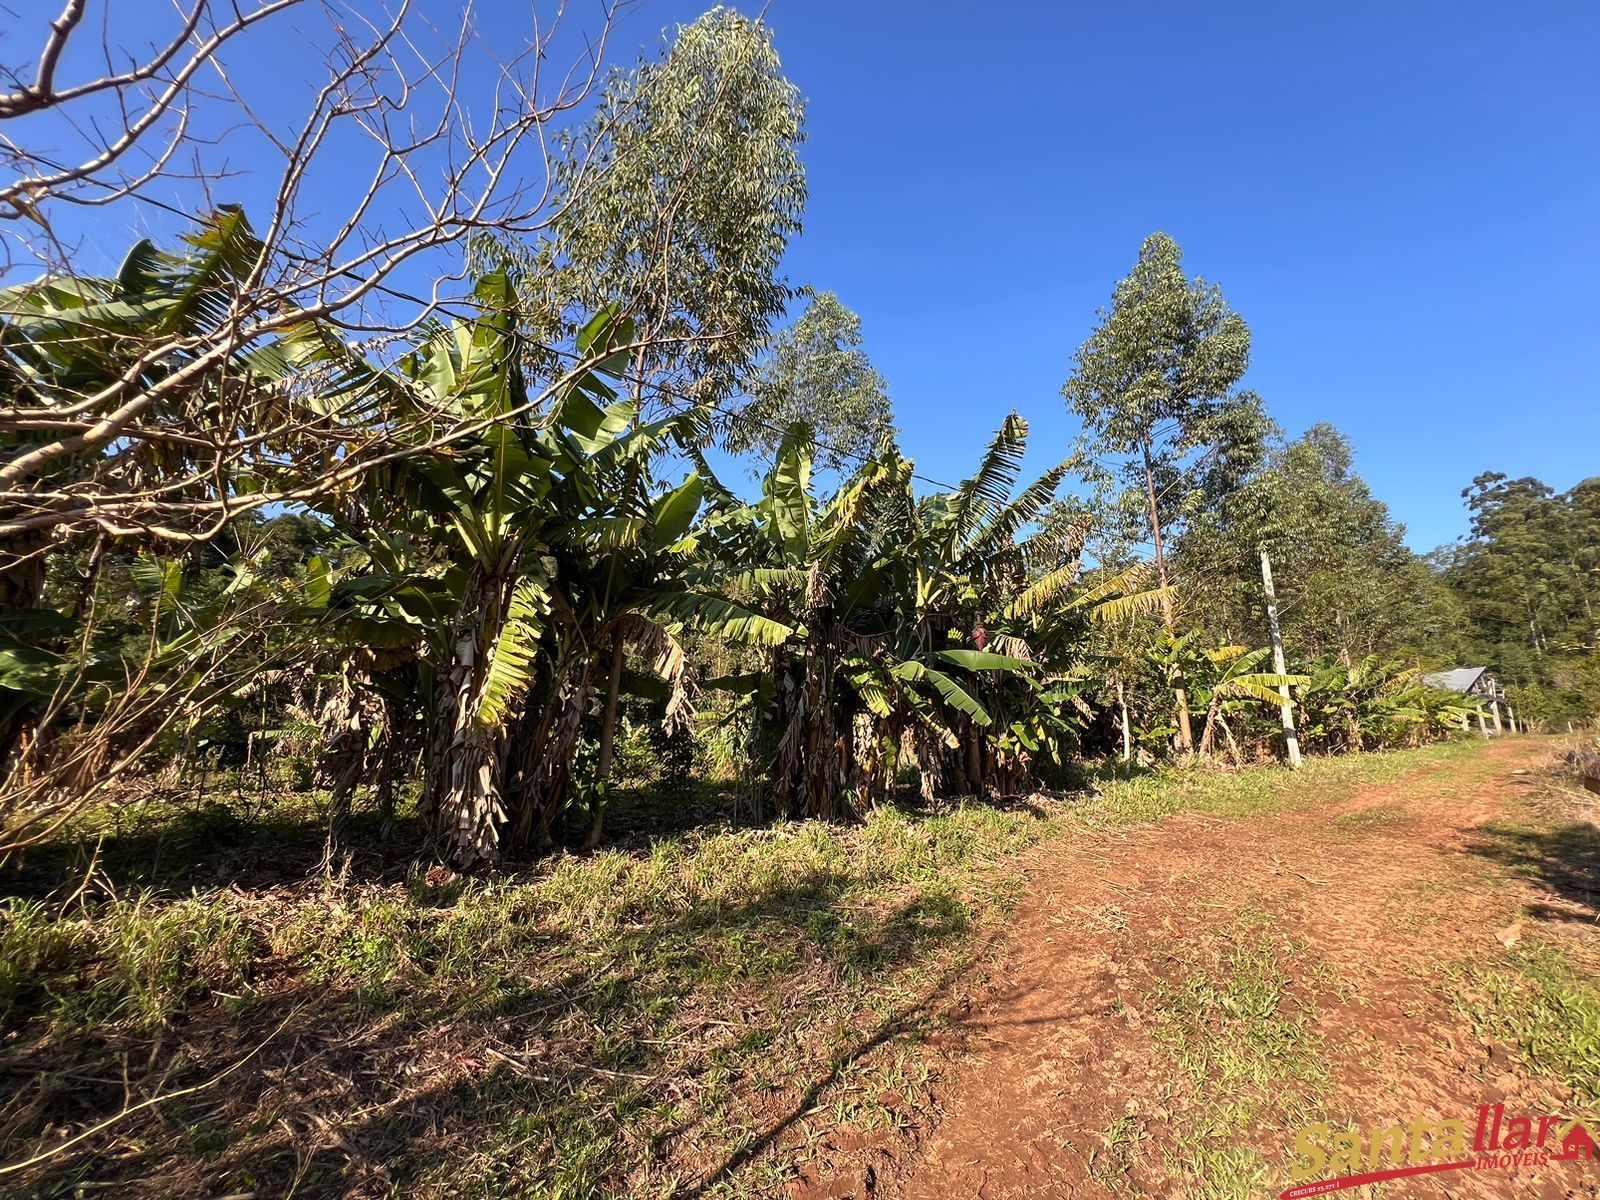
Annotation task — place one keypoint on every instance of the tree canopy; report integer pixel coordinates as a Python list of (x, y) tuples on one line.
[(818, 374)]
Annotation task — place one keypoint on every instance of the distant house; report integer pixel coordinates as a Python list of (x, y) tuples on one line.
[(1475, 681), (1472, 681)]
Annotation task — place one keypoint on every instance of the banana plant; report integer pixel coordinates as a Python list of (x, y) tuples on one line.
[(906, 628), (1234, 683), (809, 570), (525, 548), (1348, 706)]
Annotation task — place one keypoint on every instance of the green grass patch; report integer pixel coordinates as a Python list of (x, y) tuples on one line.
[(1245, 1045), (136, 962), (1259, 790), (1375, 817), (1541, 998), (1538, 1003)]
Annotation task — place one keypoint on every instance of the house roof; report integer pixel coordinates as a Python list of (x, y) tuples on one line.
[(1462, 679)]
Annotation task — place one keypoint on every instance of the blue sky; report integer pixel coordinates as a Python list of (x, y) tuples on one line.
[(1399, 198)]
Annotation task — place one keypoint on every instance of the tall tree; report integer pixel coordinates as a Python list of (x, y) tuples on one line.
[(1348, 584), (1528, 583), (817, 373), (1156, 382), (678, 198)]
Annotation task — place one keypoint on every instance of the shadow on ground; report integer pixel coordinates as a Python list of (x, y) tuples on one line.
[(523, 1073), (1562, 860)]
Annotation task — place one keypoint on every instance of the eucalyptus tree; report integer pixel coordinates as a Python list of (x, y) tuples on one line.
[(818, 373), (677, 199), (1522, 568), (1155, 382), (1525, 585), (1330, 557)]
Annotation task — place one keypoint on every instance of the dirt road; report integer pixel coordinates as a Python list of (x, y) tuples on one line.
[(1175, 1001)]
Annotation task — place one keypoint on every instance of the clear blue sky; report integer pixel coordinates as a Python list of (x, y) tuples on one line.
[(1401, 199)]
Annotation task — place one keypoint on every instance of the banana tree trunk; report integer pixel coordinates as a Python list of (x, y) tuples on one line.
[(461, 800), (608, 735), (546, 743), (1233, 742), (974, 759), (807, 771), (1208, 734)]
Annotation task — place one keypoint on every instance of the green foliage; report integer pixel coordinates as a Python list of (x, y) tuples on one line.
[(947, 624), (1527, 583), (816, 374), (1156, 381), (1548, 1009), (1377, 702), (140, 963), (677, 199), (1347, 584), (534, 552)]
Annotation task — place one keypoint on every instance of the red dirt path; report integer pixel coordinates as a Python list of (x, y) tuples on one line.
[(1366, 911)]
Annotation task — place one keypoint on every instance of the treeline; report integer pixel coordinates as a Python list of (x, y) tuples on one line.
[(479, 562), (1525, 590)]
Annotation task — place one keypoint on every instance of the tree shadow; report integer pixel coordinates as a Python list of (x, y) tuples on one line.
[(913, 1021), (175, 844), (174, 847), (1563, 859), (538, 1051)]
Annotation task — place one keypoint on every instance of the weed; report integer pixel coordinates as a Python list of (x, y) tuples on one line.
[(1246, 1047), (1538, 1003), (1110, 1162)]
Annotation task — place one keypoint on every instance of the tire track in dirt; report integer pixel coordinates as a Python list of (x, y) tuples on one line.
[(1375, 892)]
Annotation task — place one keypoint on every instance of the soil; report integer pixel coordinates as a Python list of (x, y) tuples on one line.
[(1067, 1084)]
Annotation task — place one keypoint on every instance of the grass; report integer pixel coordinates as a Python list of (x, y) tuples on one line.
[(639, 1022), (1539, 1003), (1230, 1024), (1110, 1162), (682, 1015), (1256, 791), (1541, 996), (138, 962)]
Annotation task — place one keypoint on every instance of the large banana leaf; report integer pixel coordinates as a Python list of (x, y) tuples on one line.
[(716, 617), (953, 694), (787, 503), (988, 491), (510, 671), (981, 660)]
